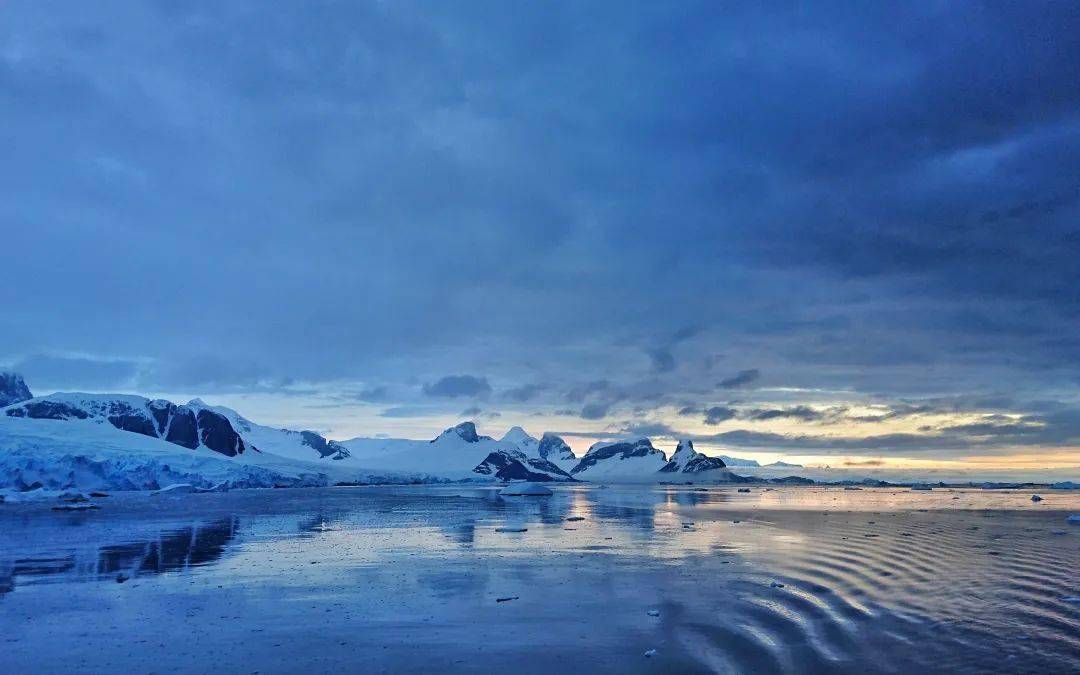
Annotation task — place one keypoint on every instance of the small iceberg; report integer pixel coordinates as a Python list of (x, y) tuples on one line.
[(1073, 520), (78, 506), (176, 489), (526, 490)]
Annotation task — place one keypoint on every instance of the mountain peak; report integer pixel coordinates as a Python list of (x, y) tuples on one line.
[(466, 431), (517, 435), (13, 389)]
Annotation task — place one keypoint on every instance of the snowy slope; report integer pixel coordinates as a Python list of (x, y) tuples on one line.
[(87, 454), (549, 448), (458, 452), (303, 445), (635, 460), (188, 426)]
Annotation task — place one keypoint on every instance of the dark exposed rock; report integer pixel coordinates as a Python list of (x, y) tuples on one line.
[(216, 433), (554, 447), (48, 410), (13, 389), (509, 465), (466, 431), (324, 447), (182, 428), (687, 460), (178, 424)]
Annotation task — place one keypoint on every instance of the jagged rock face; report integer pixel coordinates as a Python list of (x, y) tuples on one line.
[(466, 431), (504, 465), (13, 389), (508, 464), (324, 447), (48, 410), (687, 460), (554, 447), (179, 424), (639, 448)]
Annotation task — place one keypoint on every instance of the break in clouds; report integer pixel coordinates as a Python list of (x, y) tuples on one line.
[(424, 215)]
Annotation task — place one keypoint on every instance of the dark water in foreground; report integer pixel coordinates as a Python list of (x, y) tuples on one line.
[(407, 579)]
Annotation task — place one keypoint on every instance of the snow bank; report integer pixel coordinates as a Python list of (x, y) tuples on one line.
[(62, 454)]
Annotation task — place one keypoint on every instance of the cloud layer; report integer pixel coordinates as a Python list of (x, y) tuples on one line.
[(597, 212)]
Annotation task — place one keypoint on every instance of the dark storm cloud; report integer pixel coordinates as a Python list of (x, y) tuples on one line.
[(524, 393), (718, 413), (663, 361), (875, 199), (372, 394), (453, 386), (48, 373), (595, 411), (799, 412), (740, 379)]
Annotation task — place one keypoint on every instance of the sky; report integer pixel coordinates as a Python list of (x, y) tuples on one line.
[(842, 233)]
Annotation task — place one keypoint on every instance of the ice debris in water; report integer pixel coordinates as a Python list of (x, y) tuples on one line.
[(175, 489), (526, 490), (83, 506), (653, 612), (1073, 520), (651, 653)]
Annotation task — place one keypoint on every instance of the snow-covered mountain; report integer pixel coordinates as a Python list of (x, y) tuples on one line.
[(13, 389), (162, 435), (192, 426), (627, 460), (687, 460), (736, 461), (303, 445), (461, 452)]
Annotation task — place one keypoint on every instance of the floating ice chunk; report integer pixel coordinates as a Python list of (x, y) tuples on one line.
[(176, 489), (651, 653), (1073, 520), (526, 490), (83, 506), (653, 612)]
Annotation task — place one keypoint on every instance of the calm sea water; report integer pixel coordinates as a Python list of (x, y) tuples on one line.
[(410, 580)]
